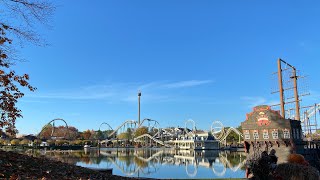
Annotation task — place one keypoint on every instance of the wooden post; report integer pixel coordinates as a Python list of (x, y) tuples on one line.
[(296, 95), (281, 88)]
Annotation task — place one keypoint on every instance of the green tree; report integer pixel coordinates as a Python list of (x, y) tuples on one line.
[(233, 136), (123, 136), (107, 133), (99, 135), (11, 28)]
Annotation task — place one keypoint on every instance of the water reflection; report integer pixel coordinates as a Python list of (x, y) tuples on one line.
[(154, 162)]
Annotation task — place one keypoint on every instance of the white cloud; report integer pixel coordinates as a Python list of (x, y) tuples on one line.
[(253, 101), (183, 84), (153, 91)]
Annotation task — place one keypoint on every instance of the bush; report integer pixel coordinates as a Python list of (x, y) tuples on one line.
[(50, 142), (24, 142), (4, 142), (15, 142), (37, 142), (88, 142), (61, 142), (77, 142)]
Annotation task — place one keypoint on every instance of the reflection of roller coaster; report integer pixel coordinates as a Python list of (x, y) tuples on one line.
[(132, 168), (218, 163)]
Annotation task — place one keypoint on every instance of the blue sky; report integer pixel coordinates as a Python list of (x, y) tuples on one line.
[(200, 60)]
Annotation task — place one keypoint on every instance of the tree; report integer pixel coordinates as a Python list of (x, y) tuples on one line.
[(123, 136), (86, 134), (108, 132), (140, 131), (30, 12), (234, 137), (60, 131)]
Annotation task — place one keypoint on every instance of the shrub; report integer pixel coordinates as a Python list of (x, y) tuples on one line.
[(24, 142), (77, 142), (37, 142), (61, 142), (15, 142)]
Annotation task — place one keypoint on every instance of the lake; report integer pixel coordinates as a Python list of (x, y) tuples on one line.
[(158, 162)]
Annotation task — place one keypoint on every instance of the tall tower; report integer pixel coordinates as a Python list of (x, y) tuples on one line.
[(139, 95)]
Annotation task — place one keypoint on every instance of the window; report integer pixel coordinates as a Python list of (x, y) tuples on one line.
[(275, 134), (294, 133), (265, 135), (298, 134), (246, 135), (255, 135), (286, 134)]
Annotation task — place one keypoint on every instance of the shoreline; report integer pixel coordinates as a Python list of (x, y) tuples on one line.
[(14, 165)]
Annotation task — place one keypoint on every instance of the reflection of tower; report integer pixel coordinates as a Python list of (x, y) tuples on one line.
[(139, 95)]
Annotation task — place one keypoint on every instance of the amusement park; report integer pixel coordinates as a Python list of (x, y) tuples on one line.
[(143, 148), (131, 90)]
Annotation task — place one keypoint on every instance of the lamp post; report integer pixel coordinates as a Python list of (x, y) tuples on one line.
[(139, 95)]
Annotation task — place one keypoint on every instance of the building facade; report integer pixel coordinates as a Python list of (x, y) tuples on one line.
[(266, 129)]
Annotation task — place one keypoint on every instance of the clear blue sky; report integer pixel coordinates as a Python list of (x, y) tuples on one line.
[(202, 60)]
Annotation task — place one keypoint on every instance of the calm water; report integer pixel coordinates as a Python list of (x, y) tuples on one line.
[(159, 163)]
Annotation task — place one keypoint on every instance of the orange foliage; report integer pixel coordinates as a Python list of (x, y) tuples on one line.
[(297, 158)]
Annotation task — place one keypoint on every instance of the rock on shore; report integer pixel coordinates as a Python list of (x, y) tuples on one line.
[(19, 166)]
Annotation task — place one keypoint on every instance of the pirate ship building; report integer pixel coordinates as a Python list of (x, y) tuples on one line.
[(266, 129)]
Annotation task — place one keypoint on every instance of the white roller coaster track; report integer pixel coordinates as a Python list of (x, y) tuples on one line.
[(218, 134), (150, 158), (311, 112), (229, 131), (124, 123), (152, 138)]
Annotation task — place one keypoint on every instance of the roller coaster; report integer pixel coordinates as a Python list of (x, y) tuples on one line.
[(309, 119), (217, 129), (51, 124), (155, 134)]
